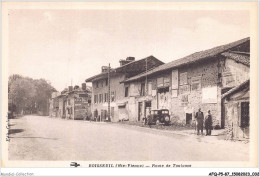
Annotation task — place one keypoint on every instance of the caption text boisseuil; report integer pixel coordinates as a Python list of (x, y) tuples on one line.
[(121, 165)]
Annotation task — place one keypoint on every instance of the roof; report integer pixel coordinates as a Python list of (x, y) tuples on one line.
[(133, 64), (193, 58), (236, 89), (240, 58)]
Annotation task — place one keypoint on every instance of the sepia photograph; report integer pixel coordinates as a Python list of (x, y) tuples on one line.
[(146, 84)]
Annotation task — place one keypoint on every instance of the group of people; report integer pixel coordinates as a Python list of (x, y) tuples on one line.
[(200, 120)]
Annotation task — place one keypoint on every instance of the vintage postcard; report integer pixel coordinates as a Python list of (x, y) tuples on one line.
[(129, 84)]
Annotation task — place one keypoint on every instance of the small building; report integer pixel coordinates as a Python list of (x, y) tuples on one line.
[(78, 103), (236, 111), (195, 81), (118, 92)]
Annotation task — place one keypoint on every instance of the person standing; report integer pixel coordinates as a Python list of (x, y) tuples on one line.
[(200, 118), (208, 123)]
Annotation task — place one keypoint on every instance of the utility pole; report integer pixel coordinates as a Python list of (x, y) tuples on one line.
[(146, 84), (108, 100), (146, 88)]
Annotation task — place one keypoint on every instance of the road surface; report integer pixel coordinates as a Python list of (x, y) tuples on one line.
[(44, 138)]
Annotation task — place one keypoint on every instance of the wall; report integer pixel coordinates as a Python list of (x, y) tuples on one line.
[(60, 113), (70, 98), (234, 73), (201, 79), (115, 86), (233, 115), (181, 97), (197, 85)]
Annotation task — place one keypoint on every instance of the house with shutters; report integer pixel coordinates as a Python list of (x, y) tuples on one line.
[(118, 93), (195, 81)]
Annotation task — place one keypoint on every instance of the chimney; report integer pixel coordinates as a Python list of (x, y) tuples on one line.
[(104, 69), (70, 88), (76, 87), (129, 59), (83, 86)]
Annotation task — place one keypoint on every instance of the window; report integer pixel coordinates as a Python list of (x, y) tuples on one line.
[(100, 98), (142, 93), (106, 97), (113, 96), (101, 83), (106, 82), (97, 84), (126, 91), (95, 99), (244, 118)]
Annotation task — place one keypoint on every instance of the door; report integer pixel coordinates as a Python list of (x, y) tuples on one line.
[(245, 122), (188, 118), (140, 108), (147, 108)]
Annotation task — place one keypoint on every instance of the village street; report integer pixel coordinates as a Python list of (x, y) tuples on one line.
[(44, 138)]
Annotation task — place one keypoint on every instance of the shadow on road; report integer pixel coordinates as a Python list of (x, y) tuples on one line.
[(13, 131), (37, 137)]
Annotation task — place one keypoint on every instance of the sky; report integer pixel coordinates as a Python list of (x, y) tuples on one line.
[(69, 46)]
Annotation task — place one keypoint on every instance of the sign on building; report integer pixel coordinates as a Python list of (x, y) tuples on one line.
[(183, 78), (174, 93), (183, 100), (209, 94), (166, 81), (184, 89), (228, 79), (159, 81), (196, 83), (175, 79)]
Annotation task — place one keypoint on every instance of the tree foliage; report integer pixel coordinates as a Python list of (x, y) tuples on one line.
[(25, 92)]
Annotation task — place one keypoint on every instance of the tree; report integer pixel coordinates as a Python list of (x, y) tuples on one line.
[(25, 93), (21, 93), (43, 93)]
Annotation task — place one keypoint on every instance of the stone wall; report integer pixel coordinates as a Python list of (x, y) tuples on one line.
[(206, 76)]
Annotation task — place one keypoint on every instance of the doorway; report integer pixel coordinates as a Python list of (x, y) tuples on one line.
[(140, 108), (147, 108), (188, 118)]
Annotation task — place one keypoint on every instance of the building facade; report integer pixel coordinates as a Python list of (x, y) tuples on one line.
[(236, 111), (72, 103), (195, 81), (117, 95)]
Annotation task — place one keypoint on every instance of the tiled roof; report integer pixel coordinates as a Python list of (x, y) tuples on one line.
[(237, 88), (241, 58), (118, 69), (195, 57)]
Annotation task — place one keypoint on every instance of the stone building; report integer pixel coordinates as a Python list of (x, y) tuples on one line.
[(189, 83), (236, 111), (118, 92), (72, 103)]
